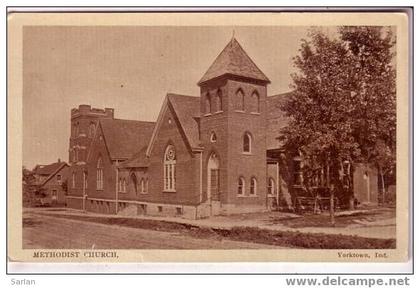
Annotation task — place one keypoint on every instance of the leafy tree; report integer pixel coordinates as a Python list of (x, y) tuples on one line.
[(335, 110), (373, 78)]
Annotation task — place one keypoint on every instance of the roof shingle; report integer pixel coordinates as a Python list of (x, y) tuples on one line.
[(186, 109), (125, 137), (48, 169), (234, 60)]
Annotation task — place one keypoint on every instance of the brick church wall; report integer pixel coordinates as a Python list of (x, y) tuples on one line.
[(187, 166)]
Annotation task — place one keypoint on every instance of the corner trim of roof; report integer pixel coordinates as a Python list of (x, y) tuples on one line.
[(157, 126), (95, 139), (55, 172)]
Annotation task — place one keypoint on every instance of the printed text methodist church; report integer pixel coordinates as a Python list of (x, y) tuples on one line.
[(208, 155)]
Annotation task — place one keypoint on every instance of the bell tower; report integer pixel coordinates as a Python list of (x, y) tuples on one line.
[(233, 95)]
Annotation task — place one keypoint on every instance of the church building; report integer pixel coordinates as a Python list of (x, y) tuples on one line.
[(212, 154)]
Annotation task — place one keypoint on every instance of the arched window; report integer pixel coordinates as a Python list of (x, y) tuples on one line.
[(142, 186), (73, 180), (247, 143), (253, 187), (255, 102), (75, 155), (99, 175), (76, 130), (134, 182), (124, 185), (219, 101), (169, 178), (91, 129), (120, 185), (240, 100), (271, 187), (85, 180), (213, 137), (207, 104), (241, 186)]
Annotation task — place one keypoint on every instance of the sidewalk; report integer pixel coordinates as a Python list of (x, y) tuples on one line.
[(376, 227)]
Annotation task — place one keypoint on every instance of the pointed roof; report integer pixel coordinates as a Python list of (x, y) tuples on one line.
[(48, 169), (187, 108), (233, 60), (125, 137)]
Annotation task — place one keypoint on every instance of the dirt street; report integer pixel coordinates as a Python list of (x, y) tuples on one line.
[(48, 232)]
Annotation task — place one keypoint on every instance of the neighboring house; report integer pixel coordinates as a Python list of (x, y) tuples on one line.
[(216, 153), (49, 179)]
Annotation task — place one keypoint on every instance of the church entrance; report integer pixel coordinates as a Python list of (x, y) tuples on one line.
[(212, 198)]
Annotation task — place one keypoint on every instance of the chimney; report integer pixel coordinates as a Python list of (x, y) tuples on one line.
[(59, 160)]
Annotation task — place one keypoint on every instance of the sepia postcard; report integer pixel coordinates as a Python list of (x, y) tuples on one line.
[(209, 137)]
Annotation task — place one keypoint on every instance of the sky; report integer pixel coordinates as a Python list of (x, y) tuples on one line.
[(130, 69)]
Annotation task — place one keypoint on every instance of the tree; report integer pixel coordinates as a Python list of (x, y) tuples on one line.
[(373, 85), (335, 110)]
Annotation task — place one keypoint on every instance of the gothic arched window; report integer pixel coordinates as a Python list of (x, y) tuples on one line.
[(99, 175), (142, 186), (169, 179), (134, 182), (255, 102), (219, 101), (85, 180), (73, 180), (247, 143), (240, 100), (241, 186), (91, 129), (207, 104), (271, 188), (253, 187)]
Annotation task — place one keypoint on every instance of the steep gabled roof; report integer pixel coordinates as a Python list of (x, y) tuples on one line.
[(124, 138), (48, 169), (233, 60), (276, 119), (187, 108), (51, 170)]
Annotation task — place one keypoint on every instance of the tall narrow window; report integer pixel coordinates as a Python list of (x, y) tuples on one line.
[(241, 186), (240, 100), (169, 179), (73, 180), (219, 101), (247, 142), (271, 186), (99, 175), (85, 180), (253, 187), (255, 102), (124, 185), (207, 104), (143, 186), (91, 129), (76, 129), (59, 179), (119, 185), (134, 183), (74, 155)]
